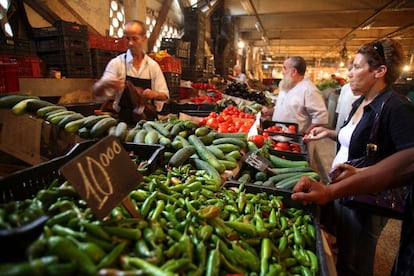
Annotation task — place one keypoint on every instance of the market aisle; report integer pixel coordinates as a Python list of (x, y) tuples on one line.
[(324, 152)]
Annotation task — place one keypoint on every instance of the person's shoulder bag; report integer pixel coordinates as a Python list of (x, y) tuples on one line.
[(388, 203)]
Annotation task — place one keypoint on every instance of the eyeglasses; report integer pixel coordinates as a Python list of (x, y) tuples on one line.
[(380, 50)]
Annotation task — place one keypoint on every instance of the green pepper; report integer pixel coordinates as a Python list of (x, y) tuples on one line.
[(104, 244), (297, 237), (66, 250), (62, 269), (147, 267), (112, 256), (126, 233), (264, 256), (62, 218), (208, 212), (65, 231), (213, 262), (158, 209), (147, 204), (242, 227), (205, 232), (34, 267), (313, 261)]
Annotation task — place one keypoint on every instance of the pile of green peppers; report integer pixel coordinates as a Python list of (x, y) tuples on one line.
[(187, 226)]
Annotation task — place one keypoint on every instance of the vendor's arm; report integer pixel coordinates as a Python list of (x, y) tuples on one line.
[(394, 170), (316, 108), (103, 84)]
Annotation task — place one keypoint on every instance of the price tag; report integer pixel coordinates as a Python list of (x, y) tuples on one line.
[(103, 175), (256, 161)]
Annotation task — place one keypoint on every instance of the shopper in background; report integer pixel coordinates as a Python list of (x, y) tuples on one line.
[(376, 66), (397, 169), (299, 100), (133, 79), (238, 76), (344, 103)]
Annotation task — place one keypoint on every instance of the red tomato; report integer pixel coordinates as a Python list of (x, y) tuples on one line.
[(202, 121), (292, 129), (283, 145), (259, 140), (212, 122)]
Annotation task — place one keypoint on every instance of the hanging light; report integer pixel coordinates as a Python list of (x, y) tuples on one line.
[(240, 44)]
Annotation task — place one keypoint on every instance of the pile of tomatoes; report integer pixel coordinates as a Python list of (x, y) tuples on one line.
[(291, 129), (212, 94), (228, 121), (286, 146)]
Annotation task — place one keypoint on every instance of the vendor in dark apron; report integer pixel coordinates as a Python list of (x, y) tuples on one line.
[(128, 103)]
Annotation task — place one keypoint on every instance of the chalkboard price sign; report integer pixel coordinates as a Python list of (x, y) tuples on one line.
[(103, 175), (256, 161)]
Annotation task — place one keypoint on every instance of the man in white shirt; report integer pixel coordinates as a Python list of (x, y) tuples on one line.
[(299, 100), (238, 76), (134, 79)]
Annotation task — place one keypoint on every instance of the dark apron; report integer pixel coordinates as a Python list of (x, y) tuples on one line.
[(126, 113)]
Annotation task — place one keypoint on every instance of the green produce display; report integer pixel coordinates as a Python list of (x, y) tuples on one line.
[(189, 226)]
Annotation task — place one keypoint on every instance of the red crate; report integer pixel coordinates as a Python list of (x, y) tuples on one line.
[(170, 64), (9, 81), (28, 66), (95, 41), (107, 43)]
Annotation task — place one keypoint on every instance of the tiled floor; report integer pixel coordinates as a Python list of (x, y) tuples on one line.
[(387, 246)]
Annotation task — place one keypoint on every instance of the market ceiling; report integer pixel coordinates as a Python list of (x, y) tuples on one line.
[(321, 29)]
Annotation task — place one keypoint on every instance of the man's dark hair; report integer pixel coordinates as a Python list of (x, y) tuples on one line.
[(299, 64)]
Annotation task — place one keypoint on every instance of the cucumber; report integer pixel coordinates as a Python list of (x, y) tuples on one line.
[(188, 124), (35, 104), (204, 154), (56, 119), (214, 174), (226, 148), (290, 182), (176, 145), (283, 163), (9, 101), (69, 118), (183, 141), (207, 139), (218, 153), (252, 146), (90, 122), (121, 131), (201, 131), (131, 134), (288, 170), (84, 132), (74, 126), (56, 113), (177, 127), (160, 128), (111, 130), (229, 165), (20, 107), (140, 136), (236, 141), (260, 176), (151, 137), (234, 154), (42, 111), (273, 180), (102, 126), (181, 156), (165, 141), (238, 135)]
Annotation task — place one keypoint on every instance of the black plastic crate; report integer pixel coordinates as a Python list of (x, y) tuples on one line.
[(172, 79), (64, 43), (14, 46), (67, 58), (62, 28), (312, 210), (176, 47), (102, 56)]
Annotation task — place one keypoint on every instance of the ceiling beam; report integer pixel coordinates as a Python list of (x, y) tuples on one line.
[(162, 16), (43, 10)]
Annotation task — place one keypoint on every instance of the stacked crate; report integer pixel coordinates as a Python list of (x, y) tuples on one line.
[(64, 47), (103, 49), (16, 46), (194, 31)]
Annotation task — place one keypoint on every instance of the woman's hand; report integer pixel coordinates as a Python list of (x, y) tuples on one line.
[(317, 133), (308, 190), (342, 171)]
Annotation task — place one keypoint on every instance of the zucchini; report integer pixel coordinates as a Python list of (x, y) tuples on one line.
[(111, 130), (188, 124), (102, 126), (151, 137), (84, 132), (218, 153), (283, 163), (165, 141), (121, 131), (236, 141), (181, 156), (58, 113), (204, 154), (214, 174), (273, 180), (183, 141), (252, 146), (69, 118), (56, 119), (234, 154), (160, 128), (207, 139), (20, 107), (42, 111), (176, 145), (9, 101), (140, 136)]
